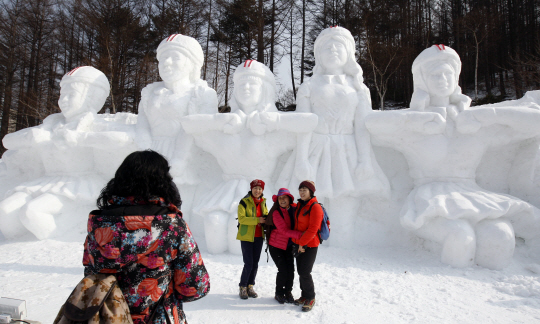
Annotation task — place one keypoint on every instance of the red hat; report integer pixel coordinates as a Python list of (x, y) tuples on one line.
[(283, 192), (256, 183), (308, 184)]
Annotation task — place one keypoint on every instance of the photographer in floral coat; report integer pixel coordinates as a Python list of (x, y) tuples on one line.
[(138, 235)]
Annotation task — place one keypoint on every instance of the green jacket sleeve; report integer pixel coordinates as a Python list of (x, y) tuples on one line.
[(245, 216)]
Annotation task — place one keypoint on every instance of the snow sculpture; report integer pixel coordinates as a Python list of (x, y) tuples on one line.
[(341, 160), (247, 143), (181, 93), (62, 149), (443, 140)]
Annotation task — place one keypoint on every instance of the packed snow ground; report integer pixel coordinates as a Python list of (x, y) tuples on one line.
[(365, 284)]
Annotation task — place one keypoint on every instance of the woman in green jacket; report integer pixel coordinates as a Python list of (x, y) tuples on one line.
[(252, 212)]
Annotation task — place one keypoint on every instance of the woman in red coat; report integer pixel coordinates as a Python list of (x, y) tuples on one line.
[(308, 217), (281, 245)]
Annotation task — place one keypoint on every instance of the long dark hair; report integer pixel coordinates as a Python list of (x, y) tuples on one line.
[(143, 174)]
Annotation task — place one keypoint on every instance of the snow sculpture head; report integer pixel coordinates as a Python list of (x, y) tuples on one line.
[(83, 89), (179, 57), (335, 54), (254, 88), (436, 75)]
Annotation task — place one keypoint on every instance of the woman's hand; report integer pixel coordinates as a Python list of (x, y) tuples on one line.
[(262, 220), (301, 249)]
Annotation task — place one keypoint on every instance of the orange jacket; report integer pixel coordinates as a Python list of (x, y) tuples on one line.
[(309, 223)]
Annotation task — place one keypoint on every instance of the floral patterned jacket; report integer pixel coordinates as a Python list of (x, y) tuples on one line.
[(150, 249)]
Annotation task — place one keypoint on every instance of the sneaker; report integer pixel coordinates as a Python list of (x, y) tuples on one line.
[(250, 292), (308, 305), (243, 292), (299, 301), (280, 298), (289, 299)]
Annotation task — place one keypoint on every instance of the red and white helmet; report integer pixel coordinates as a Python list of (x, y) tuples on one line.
[(89, 75), (185, 44)]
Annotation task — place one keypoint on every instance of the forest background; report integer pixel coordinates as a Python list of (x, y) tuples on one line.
[(41, 40)]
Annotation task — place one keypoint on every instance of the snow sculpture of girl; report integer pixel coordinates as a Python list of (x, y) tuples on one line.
[(63, 145), (247, 143), (443, 140), (340, 154), (163, 104), (181, 93)]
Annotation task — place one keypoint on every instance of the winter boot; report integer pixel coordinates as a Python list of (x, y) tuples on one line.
[(308, 305), (299, 301), (280, 298), (250, 292), (243, 292), (289, 299)]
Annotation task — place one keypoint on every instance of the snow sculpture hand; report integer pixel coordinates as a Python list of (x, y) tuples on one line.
[(38, 135), (262, 122), (471, 120), (364, 171), (434, 123), (233, 124), (466, 123)]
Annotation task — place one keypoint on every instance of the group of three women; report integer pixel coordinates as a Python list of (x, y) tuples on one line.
[(291, 230)]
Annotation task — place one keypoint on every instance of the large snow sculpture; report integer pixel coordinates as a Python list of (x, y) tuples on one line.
[(181, 93), (443, 140), (63, 152), (247, 143), (341, 160)]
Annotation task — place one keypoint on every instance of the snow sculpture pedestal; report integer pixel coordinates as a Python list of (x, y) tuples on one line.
[(443, 140)]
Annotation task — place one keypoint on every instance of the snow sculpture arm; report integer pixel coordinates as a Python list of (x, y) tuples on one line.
[(362, 138), (523, 122), (204, 100), (302, 168), (394, 126), (230, 123), (143, 137), (275, 121), (32, 136)]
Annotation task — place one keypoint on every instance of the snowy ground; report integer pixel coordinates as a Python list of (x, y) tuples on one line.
[(363, 285)]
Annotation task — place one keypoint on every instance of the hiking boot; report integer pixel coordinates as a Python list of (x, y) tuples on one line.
[(280, 298), (308, 305), (289, 299), (299, 301), (243, 292), (250, 292)]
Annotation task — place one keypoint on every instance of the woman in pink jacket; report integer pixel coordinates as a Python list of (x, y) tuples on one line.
[(282, 213)]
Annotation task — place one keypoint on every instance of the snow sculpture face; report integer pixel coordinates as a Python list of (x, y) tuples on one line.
[(180, 54), (333, 55), (437, 59), (83, 89), (174, 66), (441, 79), (334, 51), (254, 87), (248, 91)]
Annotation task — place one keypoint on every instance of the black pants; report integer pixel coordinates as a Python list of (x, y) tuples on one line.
[(284, 261), (304, 265), (251, 253)]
